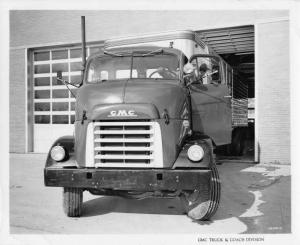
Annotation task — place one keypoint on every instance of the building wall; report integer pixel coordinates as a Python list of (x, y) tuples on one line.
[(17, 101), (37, 28), (30, 29), (273, 92)]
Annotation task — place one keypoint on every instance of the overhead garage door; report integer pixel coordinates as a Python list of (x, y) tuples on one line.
[(54, 105)]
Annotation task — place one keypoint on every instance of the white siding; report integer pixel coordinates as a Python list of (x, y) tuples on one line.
[(273, 92)]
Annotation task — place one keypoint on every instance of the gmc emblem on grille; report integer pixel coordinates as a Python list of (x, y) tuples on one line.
[(122, 113)]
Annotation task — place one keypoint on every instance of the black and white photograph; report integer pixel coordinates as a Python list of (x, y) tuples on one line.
[(125, 121)]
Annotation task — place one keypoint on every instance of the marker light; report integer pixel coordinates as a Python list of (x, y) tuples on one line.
[(195, 153), (58, 153)]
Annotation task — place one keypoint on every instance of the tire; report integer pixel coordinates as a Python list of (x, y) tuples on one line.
[(203, 205), (72, 201)]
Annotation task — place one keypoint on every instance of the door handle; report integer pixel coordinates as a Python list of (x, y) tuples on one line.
[(227, 96)]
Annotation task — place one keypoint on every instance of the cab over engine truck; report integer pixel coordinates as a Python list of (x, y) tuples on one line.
[(149, 112)]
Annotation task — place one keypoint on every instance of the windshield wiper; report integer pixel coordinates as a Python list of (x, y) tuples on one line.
[(113, 54)]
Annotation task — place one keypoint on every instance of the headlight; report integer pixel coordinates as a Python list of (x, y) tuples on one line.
[(195, 153), (58, 153)]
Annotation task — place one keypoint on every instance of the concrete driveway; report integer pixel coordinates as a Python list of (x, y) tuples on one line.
[(255, 199)]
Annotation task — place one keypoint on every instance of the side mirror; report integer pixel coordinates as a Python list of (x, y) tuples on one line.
[(59, 75)]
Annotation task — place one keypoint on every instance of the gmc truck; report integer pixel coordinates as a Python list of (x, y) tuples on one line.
[(149, 113)]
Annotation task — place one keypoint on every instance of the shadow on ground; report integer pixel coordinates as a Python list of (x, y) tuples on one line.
[(255, 199), (233, 203), (244, 196)]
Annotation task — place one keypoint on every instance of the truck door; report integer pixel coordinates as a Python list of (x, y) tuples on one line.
[(210, 99)]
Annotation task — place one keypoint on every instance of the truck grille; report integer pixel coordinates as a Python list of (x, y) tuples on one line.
[(126, 144)]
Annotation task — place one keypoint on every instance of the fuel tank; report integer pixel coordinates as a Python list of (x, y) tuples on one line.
[(163, 101)]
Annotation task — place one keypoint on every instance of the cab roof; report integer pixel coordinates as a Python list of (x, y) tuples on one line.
[(138, 49), (154, 37)]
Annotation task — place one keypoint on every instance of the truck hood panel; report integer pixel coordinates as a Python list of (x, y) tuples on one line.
[(165, 95), (111, 92), (160, 96), (124, 111)]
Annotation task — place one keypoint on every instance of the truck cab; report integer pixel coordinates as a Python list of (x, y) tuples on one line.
[(147, 120)]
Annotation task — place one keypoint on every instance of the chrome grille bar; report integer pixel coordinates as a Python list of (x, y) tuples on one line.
[(126, 144)]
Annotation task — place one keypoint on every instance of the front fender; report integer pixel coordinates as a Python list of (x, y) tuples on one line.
[(70, 161), (206, 162)]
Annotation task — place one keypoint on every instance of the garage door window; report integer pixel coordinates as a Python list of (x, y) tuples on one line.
[(53, 102)]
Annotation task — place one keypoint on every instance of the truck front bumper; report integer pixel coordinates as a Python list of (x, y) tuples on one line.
[(129, 179)]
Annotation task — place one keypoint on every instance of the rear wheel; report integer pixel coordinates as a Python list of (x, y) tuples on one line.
[(202, 205), (72, 201)]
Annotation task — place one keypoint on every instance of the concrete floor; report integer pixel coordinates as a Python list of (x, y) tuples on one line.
[(255, 199)]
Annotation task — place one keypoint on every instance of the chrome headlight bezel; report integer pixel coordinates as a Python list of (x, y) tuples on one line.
[(195, 153), (58, 153)]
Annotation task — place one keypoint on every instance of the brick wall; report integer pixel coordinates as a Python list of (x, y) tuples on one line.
[(273, 92), (46, 27), (17, 103)]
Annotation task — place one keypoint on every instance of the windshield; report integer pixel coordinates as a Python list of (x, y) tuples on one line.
[(152, 66)]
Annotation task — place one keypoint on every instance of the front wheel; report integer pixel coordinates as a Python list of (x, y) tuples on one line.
[(72, 201), (201, 205)]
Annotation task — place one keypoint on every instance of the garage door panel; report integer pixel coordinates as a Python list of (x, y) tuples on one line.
[(46, 134), (53, 103)]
